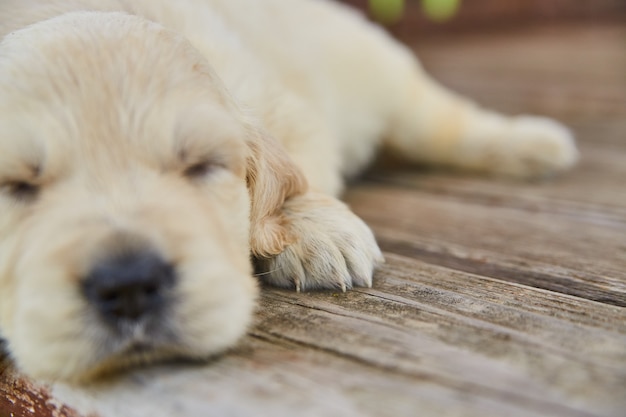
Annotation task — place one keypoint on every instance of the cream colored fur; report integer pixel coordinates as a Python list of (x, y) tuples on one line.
[(210, 130)]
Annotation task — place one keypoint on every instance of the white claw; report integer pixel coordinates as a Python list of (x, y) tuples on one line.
[(333, 246)]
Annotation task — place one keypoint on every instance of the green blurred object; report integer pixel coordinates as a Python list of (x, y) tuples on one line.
[(440, 10), (387, 11)]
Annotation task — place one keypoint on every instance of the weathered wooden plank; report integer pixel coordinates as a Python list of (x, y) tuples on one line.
[(546, 303), (423, 329), (564, 253), (537, 71)]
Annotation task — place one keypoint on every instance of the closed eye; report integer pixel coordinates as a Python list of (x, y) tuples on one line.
[(22, 191), (200, 169)]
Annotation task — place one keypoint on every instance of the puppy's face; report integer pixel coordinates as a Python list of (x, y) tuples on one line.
[(124, 208)]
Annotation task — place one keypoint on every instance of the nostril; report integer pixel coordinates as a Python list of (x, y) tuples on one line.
[(129, 286), (150, 289), (107, 294)]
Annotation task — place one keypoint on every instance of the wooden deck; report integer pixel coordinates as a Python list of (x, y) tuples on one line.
[(497, 298)]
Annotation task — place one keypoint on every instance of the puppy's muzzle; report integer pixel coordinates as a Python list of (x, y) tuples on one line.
[(130, 288)]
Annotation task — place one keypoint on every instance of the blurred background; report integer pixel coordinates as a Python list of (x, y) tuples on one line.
[(560, 58), (565, 59), (408, 17)]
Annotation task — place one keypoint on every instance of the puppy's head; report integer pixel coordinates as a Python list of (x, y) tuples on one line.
[(124, 225)]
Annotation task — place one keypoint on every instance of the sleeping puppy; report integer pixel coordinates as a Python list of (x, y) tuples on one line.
[(150, 148)]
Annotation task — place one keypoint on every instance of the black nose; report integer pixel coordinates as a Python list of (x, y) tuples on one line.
[(130, 286)]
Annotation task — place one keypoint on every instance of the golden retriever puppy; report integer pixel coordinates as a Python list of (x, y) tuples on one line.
[(150, 148)]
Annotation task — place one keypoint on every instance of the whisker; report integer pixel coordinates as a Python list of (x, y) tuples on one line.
[(267, 272)]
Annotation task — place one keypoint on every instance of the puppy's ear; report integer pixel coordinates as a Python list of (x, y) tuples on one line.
[(272, 178)]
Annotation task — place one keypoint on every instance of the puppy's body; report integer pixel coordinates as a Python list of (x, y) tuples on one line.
[(173, 139)]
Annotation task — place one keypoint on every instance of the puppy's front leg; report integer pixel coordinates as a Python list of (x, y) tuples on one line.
[(301, 239)]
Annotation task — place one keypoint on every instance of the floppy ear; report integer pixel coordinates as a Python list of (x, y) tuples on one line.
[(272, 178)]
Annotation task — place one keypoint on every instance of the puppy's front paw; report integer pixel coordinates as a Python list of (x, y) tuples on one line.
[(331, 247)]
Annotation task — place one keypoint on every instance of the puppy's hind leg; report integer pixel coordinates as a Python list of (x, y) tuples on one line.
[(433, 125)]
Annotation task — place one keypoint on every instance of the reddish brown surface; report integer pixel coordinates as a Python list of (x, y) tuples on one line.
[(20, 398)]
